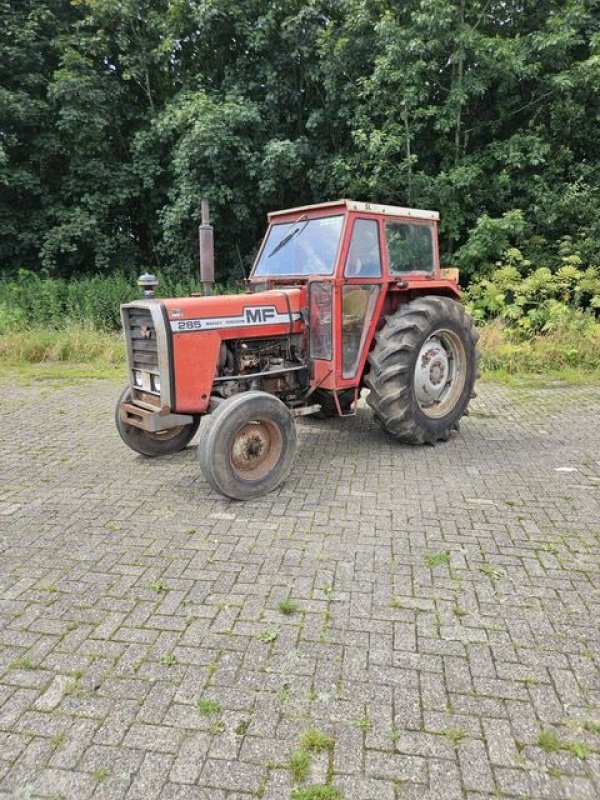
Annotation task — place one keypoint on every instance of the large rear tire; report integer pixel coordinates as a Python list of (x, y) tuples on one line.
[(248, 445), (161, 443), (423, 370)]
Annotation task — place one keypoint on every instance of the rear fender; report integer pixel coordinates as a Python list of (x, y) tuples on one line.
[(400, 295)]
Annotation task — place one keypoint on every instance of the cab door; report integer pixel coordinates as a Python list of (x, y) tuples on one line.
[(359, 299)]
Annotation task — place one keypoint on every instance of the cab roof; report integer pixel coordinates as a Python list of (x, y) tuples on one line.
[(363, 208)]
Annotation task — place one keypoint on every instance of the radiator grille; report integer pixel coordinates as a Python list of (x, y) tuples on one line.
[(144, 347)]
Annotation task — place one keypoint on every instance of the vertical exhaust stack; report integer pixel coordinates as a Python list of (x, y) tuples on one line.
[(207, 250)]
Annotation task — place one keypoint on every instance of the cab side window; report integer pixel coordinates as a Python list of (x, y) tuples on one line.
[(364, 260), (409, 247)]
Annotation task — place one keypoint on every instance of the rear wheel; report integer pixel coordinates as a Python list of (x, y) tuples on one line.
[(158, 443), (248, 446), (423, 369)]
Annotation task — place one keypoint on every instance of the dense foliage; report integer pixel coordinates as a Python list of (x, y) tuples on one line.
[(30, 301), (537, 300), (117, 116)]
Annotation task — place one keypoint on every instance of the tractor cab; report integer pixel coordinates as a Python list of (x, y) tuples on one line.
[(358, 262)]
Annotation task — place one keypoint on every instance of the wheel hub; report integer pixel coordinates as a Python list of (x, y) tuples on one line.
[(255, 449), (432, 372)]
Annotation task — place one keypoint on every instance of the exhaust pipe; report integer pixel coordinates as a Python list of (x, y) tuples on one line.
[(207, 250)]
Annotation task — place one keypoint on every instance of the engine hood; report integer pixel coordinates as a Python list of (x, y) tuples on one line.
[(277, 311)]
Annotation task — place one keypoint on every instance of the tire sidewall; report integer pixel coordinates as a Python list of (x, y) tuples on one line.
[(215, 447), (462, 330)]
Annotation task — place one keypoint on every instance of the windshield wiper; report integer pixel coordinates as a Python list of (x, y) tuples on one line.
[(289, 236)]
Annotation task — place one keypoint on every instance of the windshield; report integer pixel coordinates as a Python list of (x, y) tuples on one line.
[(302, 247)]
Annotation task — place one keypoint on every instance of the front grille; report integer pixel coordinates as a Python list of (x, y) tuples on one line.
[(144, 347)]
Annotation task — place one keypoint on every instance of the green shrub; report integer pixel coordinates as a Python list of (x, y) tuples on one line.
[(55, 303), (537, 301)]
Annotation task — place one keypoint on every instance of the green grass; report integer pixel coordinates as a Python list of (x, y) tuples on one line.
[(314, 739), (23, 663), (72, 345), (159, 586), (455, 735), (316, 793), (579, 749), (100, 774), (299, 765), (363, 724), (58, 739), (549, 742), (288, 606), (206, 707), (568, 354), (436, 559), (491, 571), (54, 323)]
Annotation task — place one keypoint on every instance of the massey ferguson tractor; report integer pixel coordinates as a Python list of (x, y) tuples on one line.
[(342, 296)]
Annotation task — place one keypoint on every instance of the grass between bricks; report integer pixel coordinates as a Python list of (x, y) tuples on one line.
[(312, 740), (288, 606), (550, 743), (316, 793), (206, 707)]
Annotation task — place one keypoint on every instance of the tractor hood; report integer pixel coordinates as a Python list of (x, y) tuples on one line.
[(270, 313)]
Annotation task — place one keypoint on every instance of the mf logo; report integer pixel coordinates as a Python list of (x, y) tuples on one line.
[(259, 315)]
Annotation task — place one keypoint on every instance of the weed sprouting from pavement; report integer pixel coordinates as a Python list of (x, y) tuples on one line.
[(455, 735), (549, 741), (159, 586), (491, 571), (268, 636), (316, 793), (299, 765), (206, 706), (288, 606), (363, 723), (314, 739), (436, 559), (24, 662), (100, 774)]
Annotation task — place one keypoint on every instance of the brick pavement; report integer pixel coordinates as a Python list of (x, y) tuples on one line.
[(445, 635)]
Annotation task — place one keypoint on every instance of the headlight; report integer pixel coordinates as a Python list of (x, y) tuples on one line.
[(155, 380)]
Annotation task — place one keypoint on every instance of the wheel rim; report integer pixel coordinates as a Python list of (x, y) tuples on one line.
[(256, 449), (440, 374)]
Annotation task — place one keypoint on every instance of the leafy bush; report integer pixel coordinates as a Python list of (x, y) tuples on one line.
[(55, 303), (488, 240), (537, 301)]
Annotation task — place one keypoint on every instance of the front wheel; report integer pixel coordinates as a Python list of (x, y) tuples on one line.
[(248, 445), (159, 443), (423, 369)]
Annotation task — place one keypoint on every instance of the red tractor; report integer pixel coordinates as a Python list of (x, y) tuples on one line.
[(342, 296)]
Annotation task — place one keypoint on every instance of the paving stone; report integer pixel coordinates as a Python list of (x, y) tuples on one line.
[(129, 590)]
